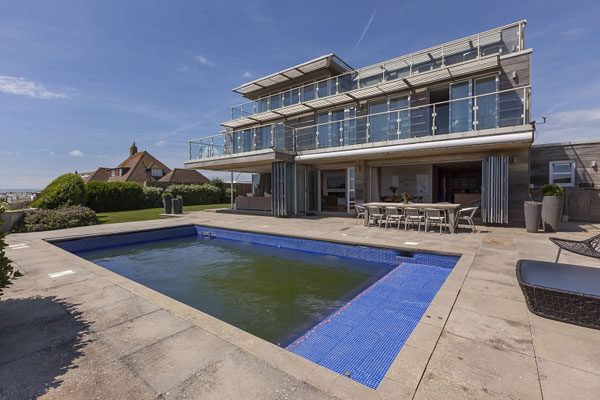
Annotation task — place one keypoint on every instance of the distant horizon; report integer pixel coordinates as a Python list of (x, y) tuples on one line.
[(19, 190)]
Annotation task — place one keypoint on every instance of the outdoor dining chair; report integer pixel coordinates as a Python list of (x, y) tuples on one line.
[(435, 216), (375, 215), (412, 215), (393, 215), (466, 214), (360, 213)]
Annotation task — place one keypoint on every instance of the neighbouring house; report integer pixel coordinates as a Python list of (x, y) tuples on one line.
[(447, 124), (143, 168), (574, 166)]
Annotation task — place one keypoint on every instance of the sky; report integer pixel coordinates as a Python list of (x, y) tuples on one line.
[(81, 80)]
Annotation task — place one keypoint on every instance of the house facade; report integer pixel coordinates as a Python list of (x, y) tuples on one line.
[(143, 168), (449, 123)]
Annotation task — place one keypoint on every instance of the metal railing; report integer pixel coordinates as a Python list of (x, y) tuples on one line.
[(504, 40), (471, 113)]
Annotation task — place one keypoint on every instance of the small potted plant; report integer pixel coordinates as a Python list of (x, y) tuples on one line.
[(405, 197), (167, 202), (533, 215), (552, 206), (393, 190), (178, 205)]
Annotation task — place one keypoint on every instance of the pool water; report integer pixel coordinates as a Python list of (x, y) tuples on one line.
[(273, 293)]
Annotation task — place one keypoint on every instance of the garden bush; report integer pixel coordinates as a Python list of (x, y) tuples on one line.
[(7, 271), (114, 196), (151, 197), (197, 194), (60, 218), (66, 190)]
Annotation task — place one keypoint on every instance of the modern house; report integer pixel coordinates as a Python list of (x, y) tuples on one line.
[(449, 123), (143, 168)]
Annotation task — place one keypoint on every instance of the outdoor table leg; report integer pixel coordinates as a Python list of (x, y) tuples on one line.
[(451, 220), (367, 216)]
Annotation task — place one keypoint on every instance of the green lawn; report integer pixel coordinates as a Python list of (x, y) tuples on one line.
[(147, 214)]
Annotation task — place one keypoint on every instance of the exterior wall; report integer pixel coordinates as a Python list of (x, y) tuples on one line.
[(582, 202)]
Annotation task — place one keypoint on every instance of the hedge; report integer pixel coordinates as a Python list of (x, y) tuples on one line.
[(151, 197), (197, 194), (66, 190), (114, 196), (60, 218)]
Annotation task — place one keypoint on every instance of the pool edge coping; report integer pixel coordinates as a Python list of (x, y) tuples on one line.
[(424, 336)]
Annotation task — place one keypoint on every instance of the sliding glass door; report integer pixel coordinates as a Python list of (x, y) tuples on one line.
[(460, 111), (486, 106)]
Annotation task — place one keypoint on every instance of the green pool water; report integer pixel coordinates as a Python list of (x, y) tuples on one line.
[(273, 293)]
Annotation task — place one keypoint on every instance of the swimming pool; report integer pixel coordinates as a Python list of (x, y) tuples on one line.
[(348, 308)]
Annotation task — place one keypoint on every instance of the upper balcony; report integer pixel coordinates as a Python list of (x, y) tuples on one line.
[(387, 76), (487, 111)]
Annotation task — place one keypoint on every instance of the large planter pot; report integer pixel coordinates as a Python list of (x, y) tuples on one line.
[(533, 215), (168, 204), (177, 206), (552, 212)]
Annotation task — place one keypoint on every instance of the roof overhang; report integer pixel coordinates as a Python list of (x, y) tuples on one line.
[(452, 73), (241, 161), (330, 61), (499, 138)]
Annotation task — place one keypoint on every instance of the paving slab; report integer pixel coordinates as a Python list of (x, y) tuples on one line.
[(560, 382)]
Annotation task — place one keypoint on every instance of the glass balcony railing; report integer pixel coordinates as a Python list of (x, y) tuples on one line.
[(504, 40), (469, 113)]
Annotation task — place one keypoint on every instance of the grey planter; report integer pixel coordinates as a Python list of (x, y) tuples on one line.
[(533, 216), (552, 212), (177, 206), (168, 204)]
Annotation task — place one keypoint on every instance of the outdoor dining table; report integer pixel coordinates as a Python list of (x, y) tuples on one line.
[(451, 209)]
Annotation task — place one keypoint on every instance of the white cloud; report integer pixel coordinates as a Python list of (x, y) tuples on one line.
[(578, 117), (573, 32), (52, 153), (247, 75), (203, 60), (76, 153), (570, 126), (27, 87), (161, 143)]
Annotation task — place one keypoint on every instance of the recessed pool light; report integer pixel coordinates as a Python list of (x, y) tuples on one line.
[(61, 273), (411, 243)]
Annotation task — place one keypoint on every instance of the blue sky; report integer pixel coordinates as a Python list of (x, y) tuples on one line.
[(81, 80)]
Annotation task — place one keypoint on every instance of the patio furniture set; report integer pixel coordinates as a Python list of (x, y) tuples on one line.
[(564, 292), (442, 215)]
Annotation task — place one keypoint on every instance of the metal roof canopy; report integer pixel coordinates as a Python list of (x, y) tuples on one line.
[(326, 61)]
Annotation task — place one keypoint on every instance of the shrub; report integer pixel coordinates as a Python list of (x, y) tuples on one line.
[(66, 217), (114, 196), (196, 194), (7, 271), (151, 197), (66, 190), (552, 190)]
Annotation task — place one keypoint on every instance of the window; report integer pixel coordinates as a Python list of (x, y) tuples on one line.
[(562, 172), (157, 173)]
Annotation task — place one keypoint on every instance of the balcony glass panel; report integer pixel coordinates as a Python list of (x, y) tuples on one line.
[(261, 105), (326, 88), (236, 112), (275, 102), (487, 106), (347, 82), (510, 108), (306, 138), (463, 50), (460, 111), (308, 92), (247, 109), (371, 77), (263, 138)]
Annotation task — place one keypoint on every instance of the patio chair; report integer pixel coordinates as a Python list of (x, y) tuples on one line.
[(393, 215), (589, 247), (435, 216), (466, 214), (412, 215), (563, 292), (375, 214), (360, 212)]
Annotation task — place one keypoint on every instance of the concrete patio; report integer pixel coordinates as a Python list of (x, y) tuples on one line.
[(95, 334)]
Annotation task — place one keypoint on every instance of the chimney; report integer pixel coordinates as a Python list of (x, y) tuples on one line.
[(132, 149)]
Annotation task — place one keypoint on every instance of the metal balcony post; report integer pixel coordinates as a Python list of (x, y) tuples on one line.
[(212, 147), (475, 107), (433, 116), (398, 120), (190, 149)]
